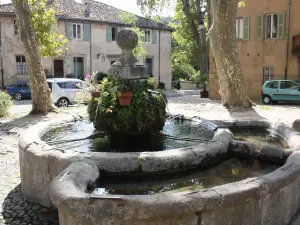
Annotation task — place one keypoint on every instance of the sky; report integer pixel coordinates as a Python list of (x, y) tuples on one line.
[(126, 5)]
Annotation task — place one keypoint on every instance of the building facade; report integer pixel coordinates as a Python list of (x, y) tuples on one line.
[(91, 28), (268, 37)]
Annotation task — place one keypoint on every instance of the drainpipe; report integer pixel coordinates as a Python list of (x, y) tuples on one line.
[(91, 69), (287, 41), (159, 56)]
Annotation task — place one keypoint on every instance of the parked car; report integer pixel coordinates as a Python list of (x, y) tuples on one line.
[(274, 91), (63, 90), (19, 91)]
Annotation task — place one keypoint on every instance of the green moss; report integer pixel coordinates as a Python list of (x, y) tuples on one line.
[(146, 113)]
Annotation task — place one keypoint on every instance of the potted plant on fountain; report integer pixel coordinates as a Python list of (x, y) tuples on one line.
[(90, 80), (125, 96)]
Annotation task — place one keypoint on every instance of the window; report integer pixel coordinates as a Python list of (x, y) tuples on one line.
[(114, 32), (240, 28), (16, 29), (77, 31), (147, 38), (271, 25), (272, 84), (112, 62), (21, 67), (289, 85), (149, 65), (268, 73), (67, 85)]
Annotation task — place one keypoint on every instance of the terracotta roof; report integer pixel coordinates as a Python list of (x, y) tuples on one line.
[(74, 10)]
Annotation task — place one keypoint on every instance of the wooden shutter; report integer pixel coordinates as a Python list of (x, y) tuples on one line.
[(86, 32), (154, 37), (259, 26), (280, 27), (108, 34), (246, 21), (69, 30)]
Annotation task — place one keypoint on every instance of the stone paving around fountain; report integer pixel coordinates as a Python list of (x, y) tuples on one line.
[(15, 210)]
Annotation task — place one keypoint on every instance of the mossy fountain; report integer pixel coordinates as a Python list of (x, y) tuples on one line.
[(213, 179)]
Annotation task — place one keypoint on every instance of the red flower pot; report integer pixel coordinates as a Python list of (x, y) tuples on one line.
[(125, 98), (95, 94)]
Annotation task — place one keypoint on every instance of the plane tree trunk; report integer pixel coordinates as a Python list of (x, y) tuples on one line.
[(226, 53), (40, 93)]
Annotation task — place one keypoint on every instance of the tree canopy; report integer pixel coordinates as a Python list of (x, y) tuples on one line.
[(51, 43)]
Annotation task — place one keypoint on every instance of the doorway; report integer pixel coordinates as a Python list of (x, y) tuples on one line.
[(78, 67), (58, 68)]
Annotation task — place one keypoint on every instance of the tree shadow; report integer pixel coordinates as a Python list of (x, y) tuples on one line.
[(245, 114), (16, 210), (16, 125)]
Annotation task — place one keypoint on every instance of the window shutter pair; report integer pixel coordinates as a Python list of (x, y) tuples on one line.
[(86, 31), (260, 26)]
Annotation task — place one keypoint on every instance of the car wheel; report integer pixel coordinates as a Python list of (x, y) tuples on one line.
[(18, 96), (63, 102), (266, 100)]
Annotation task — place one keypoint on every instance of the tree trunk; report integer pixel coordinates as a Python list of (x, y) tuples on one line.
[(226, 52), (40, 93)]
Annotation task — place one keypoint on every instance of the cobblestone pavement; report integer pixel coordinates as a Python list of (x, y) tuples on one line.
[(15, 210)]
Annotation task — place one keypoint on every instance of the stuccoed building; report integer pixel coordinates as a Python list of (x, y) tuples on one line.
[(91, 28), (268, 34)]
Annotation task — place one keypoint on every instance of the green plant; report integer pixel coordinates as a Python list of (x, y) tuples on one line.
[(5, 103), (99, 76), (51, 43), (146, 114)]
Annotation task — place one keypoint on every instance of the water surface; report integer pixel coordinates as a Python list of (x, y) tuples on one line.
[(257, 136), (231, 170), (175, 134)]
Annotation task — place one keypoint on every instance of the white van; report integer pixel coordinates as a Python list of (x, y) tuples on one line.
[(63, 90)]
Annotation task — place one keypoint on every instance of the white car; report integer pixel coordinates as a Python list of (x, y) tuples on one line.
[(63, 90)]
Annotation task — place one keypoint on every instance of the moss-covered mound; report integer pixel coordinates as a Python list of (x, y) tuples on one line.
[(146, 114)]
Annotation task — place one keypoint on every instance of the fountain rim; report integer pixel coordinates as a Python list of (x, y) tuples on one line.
[(227, 195), (40, 163)]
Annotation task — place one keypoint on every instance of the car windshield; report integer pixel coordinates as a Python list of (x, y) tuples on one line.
[(297, 81)]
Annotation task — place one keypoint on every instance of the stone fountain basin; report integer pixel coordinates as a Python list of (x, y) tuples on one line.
[(270, 199), (41, 163)]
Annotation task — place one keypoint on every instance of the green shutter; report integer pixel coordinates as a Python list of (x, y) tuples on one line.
[(108, 34), (154, 37), (259, 26), (280, 27), (69, 30), (86, 32), (246, 21)]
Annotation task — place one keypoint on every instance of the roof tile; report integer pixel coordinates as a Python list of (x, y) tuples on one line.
[(74, 10)]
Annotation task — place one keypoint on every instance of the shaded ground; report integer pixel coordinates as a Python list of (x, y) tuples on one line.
[(15, 210)]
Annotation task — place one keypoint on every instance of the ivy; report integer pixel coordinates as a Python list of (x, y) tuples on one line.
[(146, 114)]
